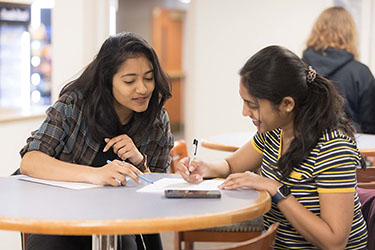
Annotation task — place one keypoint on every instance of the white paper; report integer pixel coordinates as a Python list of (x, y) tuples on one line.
[(173, 183), (64, 184)]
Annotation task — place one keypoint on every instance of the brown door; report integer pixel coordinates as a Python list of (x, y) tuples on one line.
[(167, 41)]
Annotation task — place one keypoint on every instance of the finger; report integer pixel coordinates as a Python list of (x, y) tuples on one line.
[(120, 178), (238, 181), (128, 170), (195, 178), (181, 168), (228, 181), (193, 165), (117, 163), (132, 168), (122, 146), (119, 182), (109, 144), (113, 141), (185, 161), (184, 176), (130, 153), (124, 153), (114, 182)]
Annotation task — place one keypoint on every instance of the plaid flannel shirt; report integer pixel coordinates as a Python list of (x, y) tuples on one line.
[(64, 135)]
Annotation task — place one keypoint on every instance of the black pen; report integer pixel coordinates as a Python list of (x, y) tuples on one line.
[(194, 149)]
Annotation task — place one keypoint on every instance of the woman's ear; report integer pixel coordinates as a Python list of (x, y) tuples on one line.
[(287, 104)]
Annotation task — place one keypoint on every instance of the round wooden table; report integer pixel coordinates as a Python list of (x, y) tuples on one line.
[(110, 211)]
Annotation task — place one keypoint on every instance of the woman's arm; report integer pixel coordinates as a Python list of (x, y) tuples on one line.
[(329, 231), (40, 165), (245, 158)]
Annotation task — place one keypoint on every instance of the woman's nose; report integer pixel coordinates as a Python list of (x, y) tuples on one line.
[(141, 87), (245, 110)]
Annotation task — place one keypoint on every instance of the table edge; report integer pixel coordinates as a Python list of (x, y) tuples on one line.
[(163, 224)]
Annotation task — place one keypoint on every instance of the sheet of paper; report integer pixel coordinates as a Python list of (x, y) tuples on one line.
[(173, 183), (64, 184)]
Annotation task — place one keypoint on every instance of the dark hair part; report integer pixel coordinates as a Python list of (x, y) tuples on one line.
[(95, 83), (274, 73)]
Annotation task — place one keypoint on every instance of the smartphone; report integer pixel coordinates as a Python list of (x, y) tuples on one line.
[(173, 193)]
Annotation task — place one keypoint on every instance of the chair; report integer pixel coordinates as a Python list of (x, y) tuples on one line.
[(178, 152), (262, 242), (366, 177), (231, 233)]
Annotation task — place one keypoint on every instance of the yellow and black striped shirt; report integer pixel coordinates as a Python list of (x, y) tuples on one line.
[(329, 168)]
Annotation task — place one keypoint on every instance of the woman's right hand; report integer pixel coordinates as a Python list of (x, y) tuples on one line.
[(114, 173), (194, 172)]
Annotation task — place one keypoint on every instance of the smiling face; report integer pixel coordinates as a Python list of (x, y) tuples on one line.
[(132, 87), (264, 114)]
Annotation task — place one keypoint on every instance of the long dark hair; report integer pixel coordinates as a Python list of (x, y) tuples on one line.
[(95, 83), (274, 73)]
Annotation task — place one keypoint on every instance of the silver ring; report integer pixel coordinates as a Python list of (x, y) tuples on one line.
[(119, 182)]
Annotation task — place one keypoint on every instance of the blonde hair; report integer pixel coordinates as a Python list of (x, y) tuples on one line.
[(335, 28)]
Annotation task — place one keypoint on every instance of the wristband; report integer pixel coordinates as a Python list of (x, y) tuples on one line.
[(143, 164), (281, 194)]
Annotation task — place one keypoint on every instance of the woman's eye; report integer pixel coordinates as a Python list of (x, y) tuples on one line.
[(128, 82), (149, 78), (251, 105)]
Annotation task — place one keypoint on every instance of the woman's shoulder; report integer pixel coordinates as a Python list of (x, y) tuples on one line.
[(69, 103), (335, 137), (71, 97)]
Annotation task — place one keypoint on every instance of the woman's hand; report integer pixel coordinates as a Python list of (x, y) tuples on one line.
[(124, 147), (114, 174), (194, 172), (251, 180)]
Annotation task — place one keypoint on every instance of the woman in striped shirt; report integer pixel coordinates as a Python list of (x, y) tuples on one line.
[(305, 149)]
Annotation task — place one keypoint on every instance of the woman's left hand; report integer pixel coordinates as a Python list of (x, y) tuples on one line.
[(124, 147), (251, 180)]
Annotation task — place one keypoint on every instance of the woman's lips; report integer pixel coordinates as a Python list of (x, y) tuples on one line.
[(256, 123), (140, 100)]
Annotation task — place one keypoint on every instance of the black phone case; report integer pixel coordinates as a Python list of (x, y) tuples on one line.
[(171, 193)]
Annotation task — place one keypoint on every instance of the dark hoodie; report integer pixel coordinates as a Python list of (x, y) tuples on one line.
[(352, 79)]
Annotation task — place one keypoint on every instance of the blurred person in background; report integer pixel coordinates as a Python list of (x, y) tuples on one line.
[(332, 51)]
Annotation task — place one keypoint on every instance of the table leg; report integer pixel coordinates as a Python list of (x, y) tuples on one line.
[(104, 242)]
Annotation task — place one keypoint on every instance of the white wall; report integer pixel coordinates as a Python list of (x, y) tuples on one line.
[(79, 27), (220, 36)]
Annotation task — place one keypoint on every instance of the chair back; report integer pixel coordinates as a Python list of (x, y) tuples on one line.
[(366, 177), (178, 152), (262, 242)]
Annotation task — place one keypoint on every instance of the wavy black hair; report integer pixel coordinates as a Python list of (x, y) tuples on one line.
[(274, 73), (95, 83)]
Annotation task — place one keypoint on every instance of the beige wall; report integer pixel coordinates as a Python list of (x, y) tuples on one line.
[(220, 36)]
